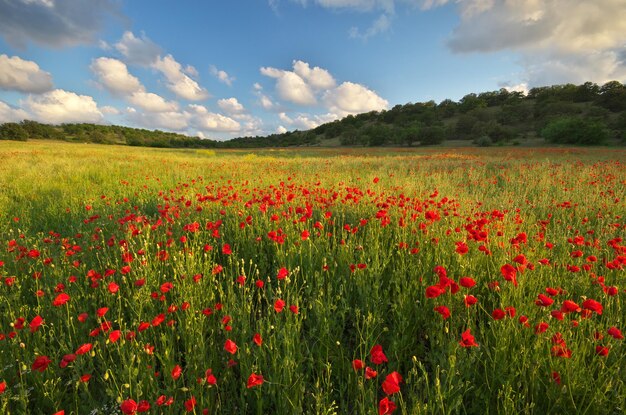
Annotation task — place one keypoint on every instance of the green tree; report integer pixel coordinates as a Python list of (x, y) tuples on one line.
[(575, 131), (13, 131)]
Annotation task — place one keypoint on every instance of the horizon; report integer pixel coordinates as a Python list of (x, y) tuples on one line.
[(226, 70)]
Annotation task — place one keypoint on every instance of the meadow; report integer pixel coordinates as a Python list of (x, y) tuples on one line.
[(316, 281)]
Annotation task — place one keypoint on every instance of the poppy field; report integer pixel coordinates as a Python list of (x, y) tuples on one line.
[(430, 281)]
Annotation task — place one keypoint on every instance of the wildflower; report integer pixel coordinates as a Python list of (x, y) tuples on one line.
[(467, 340), (377, 356), (254, 380)]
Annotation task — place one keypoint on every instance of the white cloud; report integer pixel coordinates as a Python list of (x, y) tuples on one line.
[(59, 106), (266, 103), (290, 86), (281, 130), (221, 75), (205, 120), (114, 76), (380, 25), (559, 41), (152, 102), (306, 121), (174, 120), (317, 77), (231, 106), (179, 83), (10, 114), (54, 23), (138, 50), (17, 74), (351, 98), (109, 110)]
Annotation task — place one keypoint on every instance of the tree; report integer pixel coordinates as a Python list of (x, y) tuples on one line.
[(431, 135), (575, 131), (13, 131)]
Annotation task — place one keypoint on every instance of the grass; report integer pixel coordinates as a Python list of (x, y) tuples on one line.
[(169, 256)]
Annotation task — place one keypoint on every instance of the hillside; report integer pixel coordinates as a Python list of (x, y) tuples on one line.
[(585, 114)]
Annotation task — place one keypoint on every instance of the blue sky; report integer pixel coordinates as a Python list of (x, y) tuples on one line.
[(221, 69)]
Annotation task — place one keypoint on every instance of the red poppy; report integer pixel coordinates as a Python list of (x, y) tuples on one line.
[(357, 364), (443, 310), (467, 282), (83, 349), (257, 339), (602, 350), (115, 336), (176, 372), (36, 323), (377, 356), (129, 407), (569, 307), (370, 373), (615, 333), (385, 406), (60, 300), (509, 273), (541, 327), (279, 305), (3, 387), (498, 314), (254, 380), (470, 300), (41, 363), (593, 305), (467, 340), (230, 346), (434, 291), (282, 273), (102, 311), (226, 250), (392, 382), (190, 404), (543, 300)]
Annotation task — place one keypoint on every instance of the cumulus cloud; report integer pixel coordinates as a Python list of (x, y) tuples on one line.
[(109, 110), (59, 106), (203, 119), (114, 76), (316, 77), (17, 74), (177, 81), (231, 106), (138, 50), (173, 121), (306, 121), (10, 114), (281, 130), (152, 102), (559, 41), (290, 86), (54, 23), (351, 98), (222, 76)]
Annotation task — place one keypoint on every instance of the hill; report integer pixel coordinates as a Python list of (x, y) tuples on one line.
[(585, 114)]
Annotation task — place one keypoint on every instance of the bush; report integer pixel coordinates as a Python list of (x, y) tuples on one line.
[(575, 131), (483, 141)]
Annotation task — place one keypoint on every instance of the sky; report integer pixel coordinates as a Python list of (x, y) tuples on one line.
[(224, 69)]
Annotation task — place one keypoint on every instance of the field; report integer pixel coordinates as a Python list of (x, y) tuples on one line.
[(436, 281)]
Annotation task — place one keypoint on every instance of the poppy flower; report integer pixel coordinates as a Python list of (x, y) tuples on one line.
[(210, 378), (41, 363), (282, 273), (83, 349), (230, 346), (467, 340), (569, 307), (467, 282), (385, 406), (254, 380), (129, 407), (392, 382), (593, 305), (377, 356), (434, 291), (509, 273), (176, 372), (257, 339), (279, 305), (615, 333), (357, 364), (370, 373), (543, 300), (498, 314), (115, 336), (35, 323), (602, 351), (60, 300), (541, 327), (190, 404), (470, 300), (3, 387), (443, 310), (226, 250)]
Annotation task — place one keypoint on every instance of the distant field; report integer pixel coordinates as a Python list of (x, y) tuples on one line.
[(407, 281)]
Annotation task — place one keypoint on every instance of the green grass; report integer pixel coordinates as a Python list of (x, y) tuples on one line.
[(82, 219)]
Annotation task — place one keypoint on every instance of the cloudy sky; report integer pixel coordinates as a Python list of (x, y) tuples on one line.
[(221, 69)]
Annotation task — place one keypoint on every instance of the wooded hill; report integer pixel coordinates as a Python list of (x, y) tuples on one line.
[(585, 114)]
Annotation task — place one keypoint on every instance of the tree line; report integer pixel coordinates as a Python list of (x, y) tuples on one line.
[(586, 114)]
